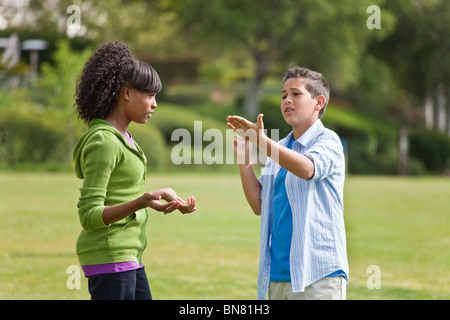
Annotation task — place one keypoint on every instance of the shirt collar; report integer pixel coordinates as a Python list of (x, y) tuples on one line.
[(309, 134)]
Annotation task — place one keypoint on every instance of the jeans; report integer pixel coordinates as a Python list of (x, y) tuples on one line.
[(128, 285)]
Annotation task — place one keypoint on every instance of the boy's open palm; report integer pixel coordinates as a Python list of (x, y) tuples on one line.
[(248, 130)]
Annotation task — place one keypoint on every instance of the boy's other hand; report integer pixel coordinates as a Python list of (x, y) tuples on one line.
[(241, 149)]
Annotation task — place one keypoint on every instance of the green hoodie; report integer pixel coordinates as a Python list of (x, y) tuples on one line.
[(113, 173)]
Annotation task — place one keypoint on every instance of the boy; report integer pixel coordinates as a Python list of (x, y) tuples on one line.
[(299, 196)]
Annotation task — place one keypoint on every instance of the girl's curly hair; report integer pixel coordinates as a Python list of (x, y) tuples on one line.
[(111, 66)]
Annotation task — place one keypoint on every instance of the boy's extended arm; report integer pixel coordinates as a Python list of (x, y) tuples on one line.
[(294, 162)]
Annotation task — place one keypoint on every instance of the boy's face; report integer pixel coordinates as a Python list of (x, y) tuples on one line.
[(299, 109)]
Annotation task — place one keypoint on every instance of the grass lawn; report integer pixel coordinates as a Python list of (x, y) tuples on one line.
[(399, 225)]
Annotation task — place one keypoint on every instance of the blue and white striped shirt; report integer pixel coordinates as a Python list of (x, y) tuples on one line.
[(318, 246)]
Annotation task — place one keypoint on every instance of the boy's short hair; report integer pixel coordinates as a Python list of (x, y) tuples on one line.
[(316, 84)]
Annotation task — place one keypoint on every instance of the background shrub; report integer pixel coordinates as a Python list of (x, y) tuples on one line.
[(370, 145), (152, 142), (432, 148), (29, 139)]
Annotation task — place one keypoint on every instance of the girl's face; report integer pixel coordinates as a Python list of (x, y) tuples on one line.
[(141, 105)]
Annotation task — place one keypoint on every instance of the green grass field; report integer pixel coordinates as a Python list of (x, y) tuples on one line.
[(400, 225)]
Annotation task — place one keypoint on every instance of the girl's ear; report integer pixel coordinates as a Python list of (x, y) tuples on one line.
[(125, 93)]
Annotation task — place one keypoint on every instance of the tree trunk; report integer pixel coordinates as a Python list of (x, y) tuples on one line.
[(440, 109), (403, 152), (252, 107), (447, 103), (428, 112), (252, 99)]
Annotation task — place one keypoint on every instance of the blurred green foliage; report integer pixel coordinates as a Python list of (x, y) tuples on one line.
[(431, 148), (55, 87), (28, 138), (215, 58), (39, 127)]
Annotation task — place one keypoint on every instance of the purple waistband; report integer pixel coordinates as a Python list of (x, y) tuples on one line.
[(94, 269)]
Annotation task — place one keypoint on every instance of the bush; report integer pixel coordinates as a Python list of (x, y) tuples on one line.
[(371, 145), (152, 142), (432, 148), (29, 140), (46, 136), (170, 117)]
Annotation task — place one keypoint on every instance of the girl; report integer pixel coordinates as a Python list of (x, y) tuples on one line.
[(115, 89)]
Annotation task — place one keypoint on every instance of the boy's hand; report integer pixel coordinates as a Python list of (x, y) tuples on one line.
[(241, 149), (246, 129)]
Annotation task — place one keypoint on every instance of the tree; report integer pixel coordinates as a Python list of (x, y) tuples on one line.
[(100, 20), (55, 87), (330, 35), (417, 53)]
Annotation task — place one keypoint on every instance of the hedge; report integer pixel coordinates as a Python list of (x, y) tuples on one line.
[(371, 145), (430, 147), (29, 138), (47, 136)]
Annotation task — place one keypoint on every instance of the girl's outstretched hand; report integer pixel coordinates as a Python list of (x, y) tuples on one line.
[(153, 201), (169, 194), (174, 202), (189, 206)]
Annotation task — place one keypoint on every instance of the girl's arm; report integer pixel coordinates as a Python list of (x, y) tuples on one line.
[(99, 159), (149, 199), (118, 212), (170, 196)]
